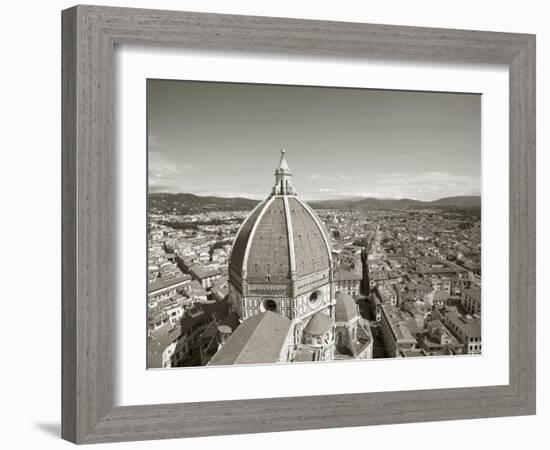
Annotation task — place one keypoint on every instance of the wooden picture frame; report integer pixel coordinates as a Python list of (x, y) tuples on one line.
[(90, 34)]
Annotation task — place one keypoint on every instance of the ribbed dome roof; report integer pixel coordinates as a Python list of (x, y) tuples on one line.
[(319, 324), (280, 236), (346, 308)]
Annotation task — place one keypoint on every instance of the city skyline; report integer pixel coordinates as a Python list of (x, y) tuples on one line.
[(340, 142), (283, 281)]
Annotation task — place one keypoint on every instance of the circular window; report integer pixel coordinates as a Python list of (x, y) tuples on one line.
[(269, 305), (315, 299)]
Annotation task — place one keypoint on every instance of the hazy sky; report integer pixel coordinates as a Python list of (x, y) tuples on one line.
[(224, 139)]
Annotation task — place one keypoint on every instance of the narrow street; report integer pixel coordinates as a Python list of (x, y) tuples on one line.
[(366, 313)]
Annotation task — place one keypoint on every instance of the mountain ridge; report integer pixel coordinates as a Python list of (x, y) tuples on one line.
[(186, 202), (459, 201)]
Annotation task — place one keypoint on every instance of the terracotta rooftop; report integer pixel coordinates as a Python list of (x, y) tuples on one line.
[(319, 324), (162, 283), (258, 340), (346, 308)]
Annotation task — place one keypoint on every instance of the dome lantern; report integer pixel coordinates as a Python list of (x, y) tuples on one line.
[(283, 178)]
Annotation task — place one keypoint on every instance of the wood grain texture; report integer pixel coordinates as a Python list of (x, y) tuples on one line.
[(68, 225), (89, 36)]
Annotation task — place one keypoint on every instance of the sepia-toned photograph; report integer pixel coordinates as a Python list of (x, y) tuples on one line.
[(305, 224)]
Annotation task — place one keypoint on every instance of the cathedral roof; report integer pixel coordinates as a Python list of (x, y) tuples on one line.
[(258, 340), (319, 324), (346, 308), (280, 238)]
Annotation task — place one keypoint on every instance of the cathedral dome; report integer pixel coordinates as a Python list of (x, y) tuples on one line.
[(282, 239)]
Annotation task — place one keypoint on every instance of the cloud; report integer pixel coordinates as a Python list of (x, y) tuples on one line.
[(167, 175), (429, 185), (341, 177)]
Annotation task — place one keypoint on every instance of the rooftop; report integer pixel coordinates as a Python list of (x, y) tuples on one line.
[(345, 274), (203, 272), (200, 312), (157, 343), (469, 326), (164, 283), (258, 340), (397, 324), (473, 293), (319, 324), (346, 308)]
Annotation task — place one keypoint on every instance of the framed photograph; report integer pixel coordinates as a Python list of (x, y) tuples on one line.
[(277, 224)]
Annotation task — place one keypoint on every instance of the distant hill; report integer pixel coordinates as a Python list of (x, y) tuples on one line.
[(465, 201), (188, 203), (459, 202)]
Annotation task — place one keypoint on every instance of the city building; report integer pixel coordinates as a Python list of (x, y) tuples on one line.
[(161, 347), (467, 329), (195, 291), (161, 288), (348, 281), (395, 331), (471, 300), (438, 340), (199, 333), (205, 276), (220, 289), (353, 335), (375, 303)]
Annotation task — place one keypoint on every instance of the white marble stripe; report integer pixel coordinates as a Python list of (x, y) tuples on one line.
[(290, 236)]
